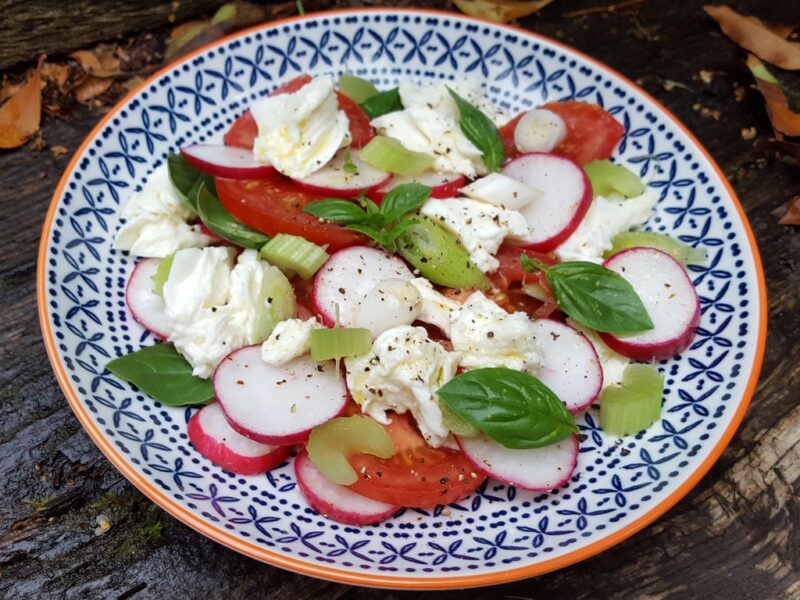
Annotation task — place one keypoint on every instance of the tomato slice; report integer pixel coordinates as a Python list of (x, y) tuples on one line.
[(417, 475), (592, 133), (361, 132), (507, 135), (275, 205), (510, 269), (509, 276)]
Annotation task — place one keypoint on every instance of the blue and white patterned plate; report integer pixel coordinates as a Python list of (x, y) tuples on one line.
[(500, 533)]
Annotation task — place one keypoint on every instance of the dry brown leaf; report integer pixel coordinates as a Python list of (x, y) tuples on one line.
[(500, 11), (782, 117), (753, 35), (789, 213), (91, 88), (58, 150), (21, 113), (101, 61)]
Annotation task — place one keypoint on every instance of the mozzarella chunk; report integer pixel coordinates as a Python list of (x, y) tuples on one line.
[(402, 373), (391, 303), (157, 220), (488, 336), (480, 227), (539, 130), (605, 219), (290, 338), (299, 133), (435, 308)]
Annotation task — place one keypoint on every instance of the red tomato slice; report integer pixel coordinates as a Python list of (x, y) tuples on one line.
[(507, 135), (592, 133), (510, 269), (361, 131), (417, 475), (275, 206), (510, 274)]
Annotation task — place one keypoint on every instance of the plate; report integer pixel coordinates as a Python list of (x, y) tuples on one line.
[(499, 534)]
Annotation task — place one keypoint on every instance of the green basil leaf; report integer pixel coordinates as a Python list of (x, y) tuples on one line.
[(376, 234), (399, 229), (183, 177), (480, 130), (338, 211), (403, 199), (163, 374), (511, 407), (597, 297), (383, 103), (220, 221), (349, 166)]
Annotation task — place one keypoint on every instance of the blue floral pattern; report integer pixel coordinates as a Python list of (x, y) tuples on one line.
[(617, 481)]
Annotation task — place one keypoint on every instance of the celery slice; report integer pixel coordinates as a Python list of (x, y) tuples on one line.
[(388, 154), (332, 443), (356, 88), (438, 256), (681, 252), (340, 342), (382, 103), (634, 405), (161, 275), (608, 178), (455, 424), (292, 253), (277, 303)]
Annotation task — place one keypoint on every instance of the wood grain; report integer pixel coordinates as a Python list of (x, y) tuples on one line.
[(736, 536)]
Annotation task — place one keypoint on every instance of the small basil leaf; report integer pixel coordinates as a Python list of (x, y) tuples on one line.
[(403, 199), (183, 177), (163, 374), (349, 166), (338, 211), (597, 297), (220, 221), (399, 229), (383, 103), (376, 234), (480, 130), (511, 407)]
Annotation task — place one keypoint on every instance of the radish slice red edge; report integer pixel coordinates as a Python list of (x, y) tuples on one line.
[(226, 161), (214, 438), (348, 276), (443, 185), (566, 198), (535, 469), (277, 405), (147, 308), (669, 297), (337, 502), (570, 365), (334, 180)]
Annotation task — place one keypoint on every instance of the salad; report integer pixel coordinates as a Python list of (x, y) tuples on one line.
[(407, 290)]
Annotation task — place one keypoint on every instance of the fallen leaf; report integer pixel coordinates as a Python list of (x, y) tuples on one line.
[(788, 213), (58, 150), (500, 11), (782, 117), (101, 61), (21, 113), (752, 34), (91, 88)]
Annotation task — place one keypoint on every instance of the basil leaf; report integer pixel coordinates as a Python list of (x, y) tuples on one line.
[(163, 374), (480, 130), (403, 199), (379, 235), (220, 221), (597, 297), (342, 212), (511, 407), (183, 177), (349, 166), (383, 103), (399, 229)]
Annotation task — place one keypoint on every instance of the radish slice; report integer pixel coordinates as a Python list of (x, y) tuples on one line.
[(147, 308), (333, 180), (214, 438), (501, 190), (226, 161), (443, 185), (534, 469), (567, 196), (669, 297), (346, 279), (277, 405), (570, 365), (539, 130), (337, 502)]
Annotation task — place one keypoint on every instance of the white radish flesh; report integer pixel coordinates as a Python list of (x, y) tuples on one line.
[(501, 190), (214, 438), (337, 502), (346, 279), (443, 185), (534, 469), (391, 303), (277, 405), (566, 197), (570, 365), (226, 161), (334, 179), (539, 130), (147, 307), (669, 297)]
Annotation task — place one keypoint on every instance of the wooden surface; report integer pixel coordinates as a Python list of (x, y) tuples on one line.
[(735, 536)]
